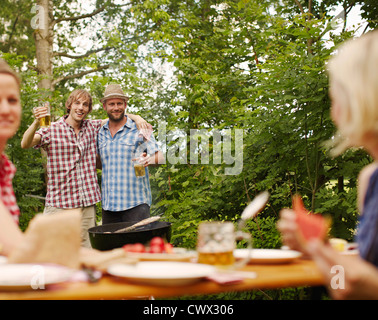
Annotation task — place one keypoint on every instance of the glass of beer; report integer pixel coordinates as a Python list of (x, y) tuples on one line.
[(216, 244), (46, 120), (139, 169)]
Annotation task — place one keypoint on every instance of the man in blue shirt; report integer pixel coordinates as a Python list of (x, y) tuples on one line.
[(125, 197)]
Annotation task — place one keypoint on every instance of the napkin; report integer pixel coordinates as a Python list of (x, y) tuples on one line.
[(51, 239), (230, 277)]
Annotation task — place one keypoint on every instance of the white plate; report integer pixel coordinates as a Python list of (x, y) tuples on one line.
[(31, 276), (3, 259), (268, 255), (162, 272)]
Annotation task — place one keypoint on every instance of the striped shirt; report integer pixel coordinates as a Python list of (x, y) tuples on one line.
[(121, 189), (7, 196), (71, 164)]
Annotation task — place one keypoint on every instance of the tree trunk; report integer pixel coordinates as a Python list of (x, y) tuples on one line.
[(43, 36), (340, 184)]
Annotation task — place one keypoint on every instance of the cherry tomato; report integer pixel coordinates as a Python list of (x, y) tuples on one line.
[(136, 247), (168, 248), (156, 249), (157, 241), (127, 247)]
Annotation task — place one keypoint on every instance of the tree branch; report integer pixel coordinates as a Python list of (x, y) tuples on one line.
[(11, 34), (300, 6), (80, 74), (88, 15), (88, 53)]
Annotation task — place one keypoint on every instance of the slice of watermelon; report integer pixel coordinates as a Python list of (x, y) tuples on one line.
[(312, 226)]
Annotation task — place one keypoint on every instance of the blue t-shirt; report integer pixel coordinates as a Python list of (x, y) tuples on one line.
[(121, 188), (367, 237)]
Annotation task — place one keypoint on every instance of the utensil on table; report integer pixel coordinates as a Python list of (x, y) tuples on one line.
[(255, 206)]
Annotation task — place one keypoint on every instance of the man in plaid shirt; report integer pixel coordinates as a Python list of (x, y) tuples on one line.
[(70, 144), (125, 197)]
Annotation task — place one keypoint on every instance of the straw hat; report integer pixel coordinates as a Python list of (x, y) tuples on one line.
[(114, 91)]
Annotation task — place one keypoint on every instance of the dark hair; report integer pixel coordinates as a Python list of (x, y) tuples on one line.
[(76, 94)]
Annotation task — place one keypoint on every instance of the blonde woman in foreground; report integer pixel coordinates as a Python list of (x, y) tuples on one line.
[(354, 93), (10, 117)]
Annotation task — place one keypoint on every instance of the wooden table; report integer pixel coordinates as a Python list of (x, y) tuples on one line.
[(295, 274)]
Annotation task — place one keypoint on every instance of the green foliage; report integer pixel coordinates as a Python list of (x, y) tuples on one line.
[(264, 232), (369, 10), (300, 293), (254, 65), (269, 78), (17, 35)]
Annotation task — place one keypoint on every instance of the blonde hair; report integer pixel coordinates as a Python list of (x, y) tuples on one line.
[(76, 94), (354, 80)]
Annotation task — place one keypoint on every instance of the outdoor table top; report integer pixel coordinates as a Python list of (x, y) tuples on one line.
[(298, 273)]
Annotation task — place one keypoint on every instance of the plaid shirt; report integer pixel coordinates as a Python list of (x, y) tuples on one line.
[(121, 189), (7, 172), (71, 164)]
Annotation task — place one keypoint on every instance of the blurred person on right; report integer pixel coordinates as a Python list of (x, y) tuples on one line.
[(353, 76), (347, 277)]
